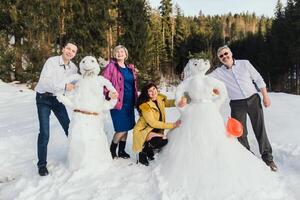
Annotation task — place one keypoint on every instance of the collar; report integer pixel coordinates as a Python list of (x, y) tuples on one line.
[(152, 104), (115, 62), (226, 67), (62, 64)]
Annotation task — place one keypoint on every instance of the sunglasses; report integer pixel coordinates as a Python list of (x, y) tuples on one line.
[(224, 54)]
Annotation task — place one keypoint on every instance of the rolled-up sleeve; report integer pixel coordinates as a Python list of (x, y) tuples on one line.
[(255, 75)]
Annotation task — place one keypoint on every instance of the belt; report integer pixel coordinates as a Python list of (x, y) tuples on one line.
[(47, 94), (244, 100), (86, 112)]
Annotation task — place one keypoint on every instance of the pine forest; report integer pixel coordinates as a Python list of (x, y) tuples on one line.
[(159, 41)]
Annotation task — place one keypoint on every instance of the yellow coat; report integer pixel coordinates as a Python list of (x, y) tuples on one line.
[(149, 120)]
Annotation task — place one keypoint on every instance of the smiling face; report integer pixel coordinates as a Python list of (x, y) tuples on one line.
[(225, 56), (69, 52), (152, 92), (120, 53)]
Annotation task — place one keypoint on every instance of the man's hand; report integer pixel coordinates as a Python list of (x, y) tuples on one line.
[(70, 86), (113, 95), (266, 101), (216, 91), (182, 102), (266, 98)]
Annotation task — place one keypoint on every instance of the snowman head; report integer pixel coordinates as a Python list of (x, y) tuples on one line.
[(89, 66), (196, 67)]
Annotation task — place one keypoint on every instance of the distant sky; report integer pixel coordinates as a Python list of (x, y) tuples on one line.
[(213, 7)]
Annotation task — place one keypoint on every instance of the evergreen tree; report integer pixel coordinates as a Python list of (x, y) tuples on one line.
[(134, 20), (86, 23), (155, 49), (13, 25), (292, 21), (167, 33), (180, 50), (29, 29), (278, 46)]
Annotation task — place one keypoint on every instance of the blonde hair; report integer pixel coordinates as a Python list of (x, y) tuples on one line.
[(221, 48), (117, 48)]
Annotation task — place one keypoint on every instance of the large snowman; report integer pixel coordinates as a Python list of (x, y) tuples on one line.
[(88, 146), (200, 161)]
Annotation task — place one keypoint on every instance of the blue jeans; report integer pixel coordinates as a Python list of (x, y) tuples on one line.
[(45, 104)]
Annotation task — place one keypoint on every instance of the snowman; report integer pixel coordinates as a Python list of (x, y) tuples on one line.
[(211, 88), (200, 160), (88, 146)]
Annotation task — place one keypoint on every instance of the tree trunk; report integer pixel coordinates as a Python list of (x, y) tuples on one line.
[(18, 59), (62, 22)]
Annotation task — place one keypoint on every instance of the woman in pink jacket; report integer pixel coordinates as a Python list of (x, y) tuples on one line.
[(123, 77)]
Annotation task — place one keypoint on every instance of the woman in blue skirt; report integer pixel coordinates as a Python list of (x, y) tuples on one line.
[(124, 79)]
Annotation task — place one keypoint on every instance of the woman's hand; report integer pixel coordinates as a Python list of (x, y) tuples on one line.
[(113, 95), (182, 102), (177, 123)]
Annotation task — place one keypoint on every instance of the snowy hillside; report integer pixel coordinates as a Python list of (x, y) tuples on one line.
[(125, 180)]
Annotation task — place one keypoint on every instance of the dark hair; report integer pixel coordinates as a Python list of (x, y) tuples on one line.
[(144, 96), (69, 41)]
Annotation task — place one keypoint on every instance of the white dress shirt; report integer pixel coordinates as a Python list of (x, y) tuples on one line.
[(54, 75), (239, 79)]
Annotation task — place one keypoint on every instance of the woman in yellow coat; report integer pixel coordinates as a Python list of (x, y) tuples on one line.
[(148, 133)]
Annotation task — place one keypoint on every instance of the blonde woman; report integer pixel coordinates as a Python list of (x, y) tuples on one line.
[(123, 77)]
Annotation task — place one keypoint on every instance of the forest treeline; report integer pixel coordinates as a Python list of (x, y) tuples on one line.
[(159, 41)]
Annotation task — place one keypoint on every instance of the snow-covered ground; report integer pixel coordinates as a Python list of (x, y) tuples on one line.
[(125, 180)]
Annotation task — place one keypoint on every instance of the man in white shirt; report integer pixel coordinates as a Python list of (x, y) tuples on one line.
[(51, 82), (242, 80)]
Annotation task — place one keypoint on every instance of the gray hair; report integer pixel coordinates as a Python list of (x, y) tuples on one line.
[(223, 47), (117, 48)]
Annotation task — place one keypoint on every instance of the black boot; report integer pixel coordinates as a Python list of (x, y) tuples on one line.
[(113, 148), (149, 151), (43, 171), (143, 158), (121, 151)]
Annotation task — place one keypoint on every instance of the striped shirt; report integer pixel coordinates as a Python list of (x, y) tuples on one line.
[(239, 79)]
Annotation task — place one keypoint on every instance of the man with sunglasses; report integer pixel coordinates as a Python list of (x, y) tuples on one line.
[(241, 80)]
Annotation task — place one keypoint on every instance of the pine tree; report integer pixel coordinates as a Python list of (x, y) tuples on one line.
[(292, 21), (278, 46), (180, 35), (135, 34), (167, 33), (134, 22), (13, 25), (86, 23), (30, 28)]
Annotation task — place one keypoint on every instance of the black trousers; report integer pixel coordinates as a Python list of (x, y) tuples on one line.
[(253, 107), (157, 142), (154, 143)]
